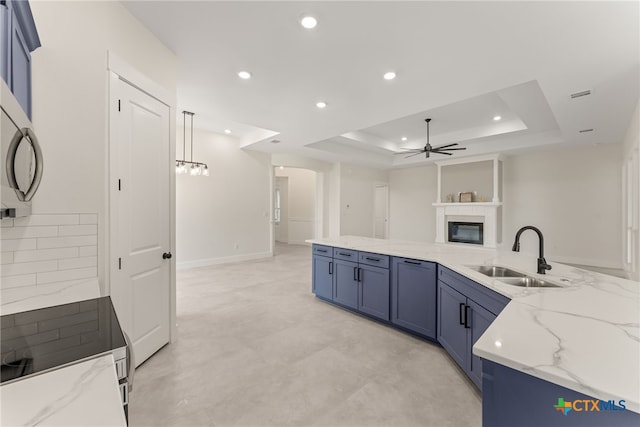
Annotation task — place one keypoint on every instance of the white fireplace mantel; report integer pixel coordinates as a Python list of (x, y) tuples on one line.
[(489, 213)]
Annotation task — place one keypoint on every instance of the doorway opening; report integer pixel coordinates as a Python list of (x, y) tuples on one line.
[(381, 211), (296, 205)]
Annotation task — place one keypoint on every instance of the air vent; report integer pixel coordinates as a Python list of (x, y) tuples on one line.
[(586, 130), (580, 94), (275, 141)]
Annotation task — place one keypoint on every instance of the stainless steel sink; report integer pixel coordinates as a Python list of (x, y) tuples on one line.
[(496, 271), (528, 282), (512, 277)]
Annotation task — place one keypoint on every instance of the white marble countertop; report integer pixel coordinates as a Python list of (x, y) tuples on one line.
[(84, 394), (584, 336)]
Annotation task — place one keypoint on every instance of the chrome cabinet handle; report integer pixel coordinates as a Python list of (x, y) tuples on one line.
[(24, 133)]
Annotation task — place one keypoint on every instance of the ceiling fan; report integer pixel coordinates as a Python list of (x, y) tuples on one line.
[(428, 149)]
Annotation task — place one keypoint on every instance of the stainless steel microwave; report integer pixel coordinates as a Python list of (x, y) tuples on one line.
[(466, 232), (21, 164)]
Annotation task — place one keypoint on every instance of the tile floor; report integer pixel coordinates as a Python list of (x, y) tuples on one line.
[(256, 348)]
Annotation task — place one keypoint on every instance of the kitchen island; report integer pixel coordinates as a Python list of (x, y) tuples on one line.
[(582, 336)]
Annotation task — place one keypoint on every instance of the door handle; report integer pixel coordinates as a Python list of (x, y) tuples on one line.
[(167, 255), (359, 275), (330, 267), (466, 317), (355, 274), (460, 313)]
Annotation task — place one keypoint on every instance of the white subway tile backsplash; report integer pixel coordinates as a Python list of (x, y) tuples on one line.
[(88, 251), (67, 264), (77, 230), (17, 245), (67, 241), (88, 219), (18, 281), (41, 250), (45, 254), (53, 219), (26, 232), (63, 275), (28, 267)]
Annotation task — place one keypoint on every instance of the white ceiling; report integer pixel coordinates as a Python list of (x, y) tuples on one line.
[(459, 63)]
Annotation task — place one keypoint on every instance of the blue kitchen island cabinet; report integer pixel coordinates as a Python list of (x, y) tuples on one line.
[(361, 282), (322, 283), (513, 398), (413, 295), (465, 311), (345, 283)]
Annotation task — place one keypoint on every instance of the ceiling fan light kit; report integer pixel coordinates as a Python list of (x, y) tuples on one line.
[(428, 149)]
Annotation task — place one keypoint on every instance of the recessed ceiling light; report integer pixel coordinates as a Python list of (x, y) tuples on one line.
[(227, 131), (244, 75), (390, 75), (404, 138), (497, 118), (308, 22), (321, 104)]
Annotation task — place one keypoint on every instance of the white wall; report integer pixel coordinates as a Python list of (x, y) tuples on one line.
[(411, 193), (70, 100), (357, 198), (301, 207), (630, 226), (226, 216), (572, 195)]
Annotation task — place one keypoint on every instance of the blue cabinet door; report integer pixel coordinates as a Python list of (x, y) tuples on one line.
[(20, 78), (479, 320), (413, 296), (345, 283), (373, 292), (452, 334), (322, 282)]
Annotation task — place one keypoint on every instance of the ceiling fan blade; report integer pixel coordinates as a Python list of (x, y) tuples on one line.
[(413, 150), (445, 146), (449, 149), (414, 154), (442, 152)]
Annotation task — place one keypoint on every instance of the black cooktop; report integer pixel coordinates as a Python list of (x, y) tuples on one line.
[(39, 340)]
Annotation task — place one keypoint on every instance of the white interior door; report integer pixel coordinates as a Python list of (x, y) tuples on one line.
[(140, 227), (381, 215)]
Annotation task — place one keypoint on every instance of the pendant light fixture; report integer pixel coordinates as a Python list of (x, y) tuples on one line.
[(189, 166)]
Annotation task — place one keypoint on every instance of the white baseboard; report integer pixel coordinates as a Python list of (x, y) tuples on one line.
[(222, 260), (299, 242)]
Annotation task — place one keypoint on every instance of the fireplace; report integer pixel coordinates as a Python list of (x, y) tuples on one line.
[(465, 232)]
